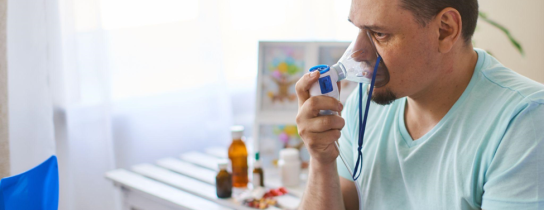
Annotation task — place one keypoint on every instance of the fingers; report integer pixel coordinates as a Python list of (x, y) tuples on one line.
[(303, 86), (309, 127), (325, 123), (322, 140), (310, 108)]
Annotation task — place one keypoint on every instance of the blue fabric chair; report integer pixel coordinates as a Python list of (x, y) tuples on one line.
[(36, 189)]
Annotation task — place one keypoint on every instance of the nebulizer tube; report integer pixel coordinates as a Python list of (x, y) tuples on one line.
[(360, 63)]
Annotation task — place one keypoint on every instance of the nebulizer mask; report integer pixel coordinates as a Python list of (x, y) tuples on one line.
[(360, 63)]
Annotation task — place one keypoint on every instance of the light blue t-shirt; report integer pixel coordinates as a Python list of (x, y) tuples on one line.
[(487, 152)]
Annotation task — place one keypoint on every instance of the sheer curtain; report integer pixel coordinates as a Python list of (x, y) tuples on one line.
[(82, 114), (146, 79), (32, 52)]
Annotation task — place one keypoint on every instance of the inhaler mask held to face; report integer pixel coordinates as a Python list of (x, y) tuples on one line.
[(357, 64), (360, 63)]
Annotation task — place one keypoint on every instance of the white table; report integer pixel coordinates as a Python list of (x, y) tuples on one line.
[(187, 182)]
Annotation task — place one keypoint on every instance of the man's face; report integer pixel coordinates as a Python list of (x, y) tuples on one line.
[(409, 50)]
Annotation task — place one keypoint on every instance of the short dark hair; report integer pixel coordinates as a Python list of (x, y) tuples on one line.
[(425, 10)]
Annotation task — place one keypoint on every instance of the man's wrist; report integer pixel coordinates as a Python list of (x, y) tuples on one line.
[(322, 167)]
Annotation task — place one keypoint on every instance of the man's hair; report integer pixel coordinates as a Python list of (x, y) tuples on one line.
[(425, 10)]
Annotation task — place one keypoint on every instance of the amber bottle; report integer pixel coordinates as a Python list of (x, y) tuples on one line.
[(258, 175), (223, 181), (238, 158)]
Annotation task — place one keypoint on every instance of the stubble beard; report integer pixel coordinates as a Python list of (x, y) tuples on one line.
[(384, 97)]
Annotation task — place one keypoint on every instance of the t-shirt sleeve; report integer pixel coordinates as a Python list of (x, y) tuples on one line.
[(345, 141), (515, 177)]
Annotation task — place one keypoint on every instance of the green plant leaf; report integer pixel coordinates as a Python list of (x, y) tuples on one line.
[(514, 42)]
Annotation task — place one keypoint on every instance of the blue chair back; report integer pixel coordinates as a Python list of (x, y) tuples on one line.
[(36, 189)]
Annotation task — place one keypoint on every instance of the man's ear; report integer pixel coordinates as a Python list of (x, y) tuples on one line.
[(450, 26)]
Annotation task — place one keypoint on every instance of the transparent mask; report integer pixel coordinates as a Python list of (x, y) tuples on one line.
[(358, 61)]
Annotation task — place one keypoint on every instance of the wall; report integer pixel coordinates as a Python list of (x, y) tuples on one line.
[(525, 20), (4, 138), (31, 53)]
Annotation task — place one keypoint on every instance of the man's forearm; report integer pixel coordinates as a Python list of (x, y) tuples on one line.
[(323, 188)]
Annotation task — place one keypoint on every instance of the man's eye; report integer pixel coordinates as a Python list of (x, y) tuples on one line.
[(379, 35)]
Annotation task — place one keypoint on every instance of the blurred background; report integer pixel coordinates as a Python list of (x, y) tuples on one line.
[(107, 84)]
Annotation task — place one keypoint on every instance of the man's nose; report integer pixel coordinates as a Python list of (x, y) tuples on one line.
[(363, 50)]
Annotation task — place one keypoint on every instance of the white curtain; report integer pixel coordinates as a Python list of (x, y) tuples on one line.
[(32, 52), (82, 117)]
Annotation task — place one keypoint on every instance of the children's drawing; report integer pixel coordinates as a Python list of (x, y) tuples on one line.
[(283, 66)]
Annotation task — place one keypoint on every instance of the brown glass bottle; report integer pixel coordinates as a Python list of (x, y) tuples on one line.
[(223, 182), (258, 175), (238, 158)]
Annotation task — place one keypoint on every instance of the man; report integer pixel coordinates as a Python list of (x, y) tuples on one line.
[(452, 129)]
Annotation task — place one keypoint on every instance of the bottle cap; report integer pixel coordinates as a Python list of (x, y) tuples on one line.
[(237, 131), (222, 164), (289, 154), (257, 163)]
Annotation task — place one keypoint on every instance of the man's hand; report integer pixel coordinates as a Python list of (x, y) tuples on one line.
[(318, 132)]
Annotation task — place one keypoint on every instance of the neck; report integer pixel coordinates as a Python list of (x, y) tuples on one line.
[(425, 109)]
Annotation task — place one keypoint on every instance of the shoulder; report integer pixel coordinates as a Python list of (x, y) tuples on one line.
[(509, 83), (501, 94), (513, 101)]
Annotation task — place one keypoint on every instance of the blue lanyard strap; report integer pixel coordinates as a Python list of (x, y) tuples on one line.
[(362, 121)]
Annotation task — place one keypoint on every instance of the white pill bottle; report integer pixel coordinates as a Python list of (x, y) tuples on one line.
[(289, 164)]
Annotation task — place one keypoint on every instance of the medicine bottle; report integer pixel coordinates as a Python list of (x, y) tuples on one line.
[(223, 181), (289, 165), (238, 158), (258, 175)]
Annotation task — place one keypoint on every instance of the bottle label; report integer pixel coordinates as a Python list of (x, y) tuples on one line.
[(256, 181)]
